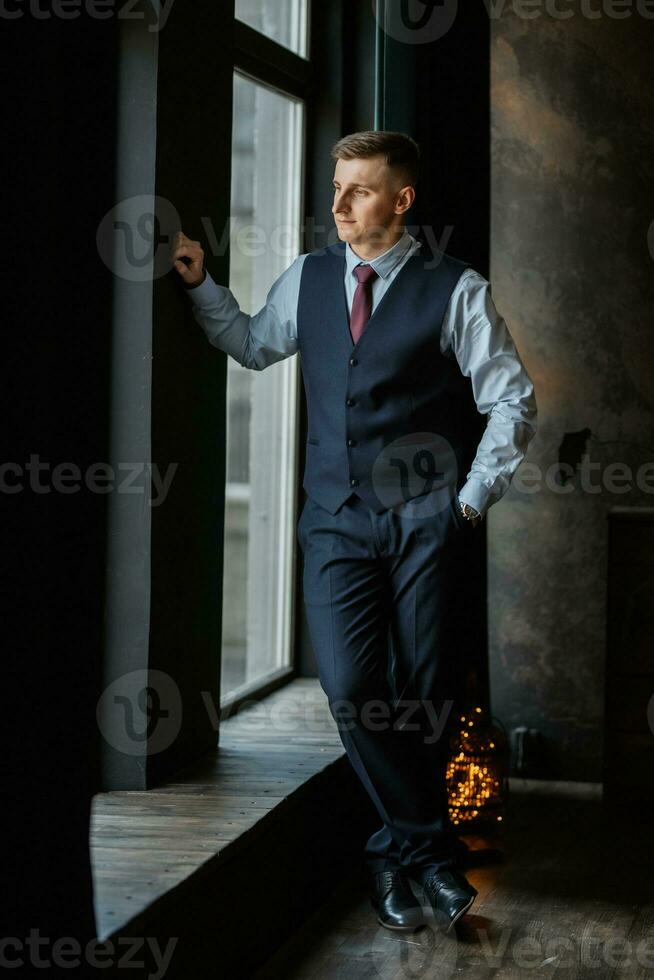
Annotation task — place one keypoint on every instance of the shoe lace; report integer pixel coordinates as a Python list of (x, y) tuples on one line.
[(445, 879), (387, 880), (432, 886)]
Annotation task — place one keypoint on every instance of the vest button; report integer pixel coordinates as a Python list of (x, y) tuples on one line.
[(353, 361), (350, 402), (351, 442), (354, 482)]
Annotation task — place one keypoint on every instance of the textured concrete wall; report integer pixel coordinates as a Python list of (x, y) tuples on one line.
[(572, 203)]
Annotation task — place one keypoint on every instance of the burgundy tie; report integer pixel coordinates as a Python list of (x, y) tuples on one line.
[(362, 302)]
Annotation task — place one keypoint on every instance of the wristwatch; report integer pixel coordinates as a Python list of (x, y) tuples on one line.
[(470, 513)]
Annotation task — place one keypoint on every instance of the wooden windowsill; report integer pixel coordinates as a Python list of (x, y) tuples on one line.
[(144, 845)]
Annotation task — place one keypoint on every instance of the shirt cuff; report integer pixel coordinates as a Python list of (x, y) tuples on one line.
[(204, 294), (474, 492)]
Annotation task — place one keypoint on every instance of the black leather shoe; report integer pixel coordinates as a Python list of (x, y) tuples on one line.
[(394, 901), (450, 895)]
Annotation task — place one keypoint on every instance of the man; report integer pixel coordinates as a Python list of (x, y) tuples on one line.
[(389, 332)]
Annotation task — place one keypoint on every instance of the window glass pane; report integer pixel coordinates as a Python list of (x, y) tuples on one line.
[(284, 21), (262, 405)]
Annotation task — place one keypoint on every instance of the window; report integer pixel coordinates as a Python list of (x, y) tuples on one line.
[(266, 205), (284, 21)]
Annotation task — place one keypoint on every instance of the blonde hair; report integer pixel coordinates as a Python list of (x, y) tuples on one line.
[(401, 152)]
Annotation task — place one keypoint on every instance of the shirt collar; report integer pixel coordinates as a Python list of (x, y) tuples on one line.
[(382, 264)]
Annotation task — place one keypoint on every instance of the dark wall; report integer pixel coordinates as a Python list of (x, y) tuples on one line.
[(453, 128), (433, 84), (572, 179), (450, 89), (58, 84)]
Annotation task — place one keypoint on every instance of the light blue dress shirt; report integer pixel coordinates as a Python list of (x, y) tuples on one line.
[(473, 332)]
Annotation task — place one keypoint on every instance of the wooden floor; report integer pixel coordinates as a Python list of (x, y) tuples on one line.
[(572, 898)]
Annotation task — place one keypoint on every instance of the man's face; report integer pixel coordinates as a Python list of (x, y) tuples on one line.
[(369, 200)]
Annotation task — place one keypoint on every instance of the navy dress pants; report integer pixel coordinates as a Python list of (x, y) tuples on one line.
[(382, 599)]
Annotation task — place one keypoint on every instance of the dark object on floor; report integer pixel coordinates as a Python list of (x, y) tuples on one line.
[(527, 751)]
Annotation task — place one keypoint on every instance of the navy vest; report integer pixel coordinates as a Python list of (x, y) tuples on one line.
[(386, 416)]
